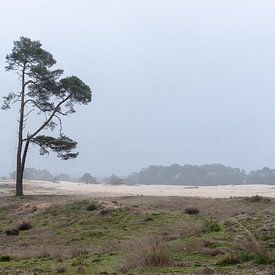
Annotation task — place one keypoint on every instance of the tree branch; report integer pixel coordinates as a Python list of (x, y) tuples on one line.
[(29, 112), (29, 82), (37, 105), (60, 123), (49, 119)]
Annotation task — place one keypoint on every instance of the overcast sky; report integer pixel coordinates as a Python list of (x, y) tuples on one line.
[(174, 81)]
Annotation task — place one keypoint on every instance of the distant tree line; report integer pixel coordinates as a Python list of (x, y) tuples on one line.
[(209, 174), (35, 174), (44, 175), (175, 174)]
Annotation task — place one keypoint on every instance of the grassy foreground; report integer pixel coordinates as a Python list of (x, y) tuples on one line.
[(136, 235)]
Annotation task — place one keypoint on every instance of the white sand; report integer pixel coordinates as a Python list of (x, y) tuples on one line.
[(101, 190)]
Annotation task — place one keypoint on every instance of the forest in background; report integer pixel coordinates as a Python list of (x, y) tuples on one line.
[(175, 174)]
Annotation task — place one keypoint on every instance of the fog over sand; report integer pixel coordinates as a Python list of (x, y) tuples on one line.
[(105, 190)]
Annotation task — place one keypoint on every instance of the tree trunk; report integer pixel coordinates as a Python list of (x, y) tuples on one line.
[(19, 166), (19, 181)]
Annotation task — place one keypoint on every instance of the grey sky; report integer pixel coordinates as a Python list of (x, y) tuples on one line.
[(174, 81)]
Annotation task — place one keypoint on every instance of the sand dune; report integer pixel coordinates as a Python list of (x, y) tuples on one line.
[(101, 190)]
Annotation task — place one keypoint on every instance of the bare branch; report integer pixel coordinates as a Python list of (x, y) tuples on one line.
[(29, 112), (60, 123), (63, 114)]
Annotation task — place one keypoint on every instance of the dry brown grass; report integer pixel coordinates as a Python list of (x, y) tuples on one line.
[(219, 208), (59, 240), (247, 246), (57, 252), (183, 230), (149, 252), (206, 247)]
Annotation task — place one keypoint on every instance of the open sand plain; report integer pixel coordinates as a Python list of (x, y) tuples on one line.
[(105, 190)]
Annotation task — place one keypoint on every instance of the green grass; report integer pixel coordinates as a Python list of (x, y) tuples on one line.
[(102, 239)]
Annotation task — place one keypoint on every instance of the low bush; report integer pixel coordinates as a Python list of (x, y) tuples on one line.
[(106, 211), (257, 198), (212, 225), (81, 269), (262, 258), (192, 211), (5, 258), (24, 226), (245, 256), (151, 252), (92, 207), (251, 248), (12, 232), (228, 259), (148, 219), (61, 269)]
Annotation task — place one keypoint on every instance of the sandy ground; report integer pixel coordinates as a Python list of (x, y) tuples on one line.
[(104, 190)]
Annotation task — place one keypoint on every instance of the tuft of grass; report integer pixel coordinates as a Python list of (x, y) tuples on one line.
[(81, 269), (228, 259), (262, 258), (61, 269), (212, 225), (251, 248), (152, 252), (245, 256)]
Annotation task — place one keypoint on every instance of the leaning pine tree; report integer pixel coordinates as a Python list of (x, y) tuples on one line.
[(44, 91)]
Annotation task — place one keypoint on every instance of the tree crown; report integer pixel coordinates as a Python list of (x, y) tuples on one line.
[(44, 90)]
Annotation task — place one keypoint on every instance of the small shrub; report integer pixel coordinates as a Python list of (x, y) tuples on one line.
[(34, 209), (208, 270), (228, 259), (92, 207), (147, 253), (58, 255), (206, 247), (192, 211), (106, 211), (211, 251), (81, 269), (61, 269), (77, 262), (76, 251), (257, 198), (247, 241), (262, 258), (158, 256), (212, 225), (5, 258), (24, 226), (148, 219), (245, 256), (12, 232), (209, 243)]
